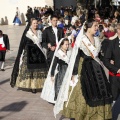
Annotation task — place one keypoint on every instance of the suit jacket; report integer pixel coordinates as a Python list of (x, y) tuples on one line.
[(6, 41), (113, 53), (49, 36), (36, 13)]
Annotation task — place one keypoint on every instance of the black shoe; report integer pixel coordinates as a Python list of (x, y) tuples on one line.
[(2, 69), (62, 117), (34, 91)]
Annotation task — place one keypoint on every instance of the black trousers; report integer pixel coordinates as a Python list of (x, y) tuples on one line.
[(2, 55), (116, 110), (115, 86)]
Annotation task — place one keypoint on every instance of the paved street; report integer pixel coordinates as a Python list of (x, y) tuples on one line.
[(17, 104)]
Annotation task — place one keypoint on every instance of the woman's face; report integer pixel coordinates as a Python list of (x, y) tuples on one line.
[(94, 28), (65, 46), (34, 24)]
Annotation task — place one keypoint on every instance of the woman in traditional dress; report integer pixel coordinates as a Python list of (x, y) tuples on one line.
[(61, 59), (30, 67), (57, 71), (90, 97), (17, 19)]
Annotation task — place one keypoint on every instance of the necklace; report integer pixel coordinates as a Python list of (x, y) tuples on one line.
[(93, 43), (64, 51), (34, 32)]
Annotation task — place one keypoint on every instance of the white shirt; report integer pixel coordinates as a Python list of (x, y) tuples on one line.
[(2, 42), (73, 32), (55, 31), (119, 42)]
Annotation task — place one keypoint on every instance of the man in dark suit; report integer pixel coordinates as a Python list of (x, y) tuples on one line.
[(51, 37), (36, 13), (4, 46), (113, 53), (62, 11)]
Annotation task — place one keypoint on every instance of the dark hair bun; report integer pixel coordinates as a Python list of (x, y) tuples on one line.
[(88, 24)]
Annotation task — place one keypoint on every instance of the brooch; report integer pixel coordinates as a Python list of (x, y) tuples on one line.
[(89, 44)]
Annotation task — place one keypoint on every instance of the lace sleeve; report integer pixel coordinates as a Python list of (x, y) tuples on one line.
[(54, 66)]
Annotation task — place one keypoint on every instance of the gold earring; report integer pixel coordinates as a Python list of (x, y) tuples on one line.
[(89, 31)]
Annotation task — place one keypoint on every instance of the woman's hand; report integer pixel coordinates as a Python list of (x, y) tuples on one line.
[(72, 37), (49, 45), (52, 79), (118, 71), (73, 79)]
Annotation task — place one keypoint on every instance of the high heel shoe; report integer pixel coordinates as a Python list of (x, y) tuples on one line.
[(62, 117)]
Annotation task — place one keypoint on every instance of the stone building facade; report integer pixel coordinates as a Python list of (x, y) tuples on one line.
[(8, 8)]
